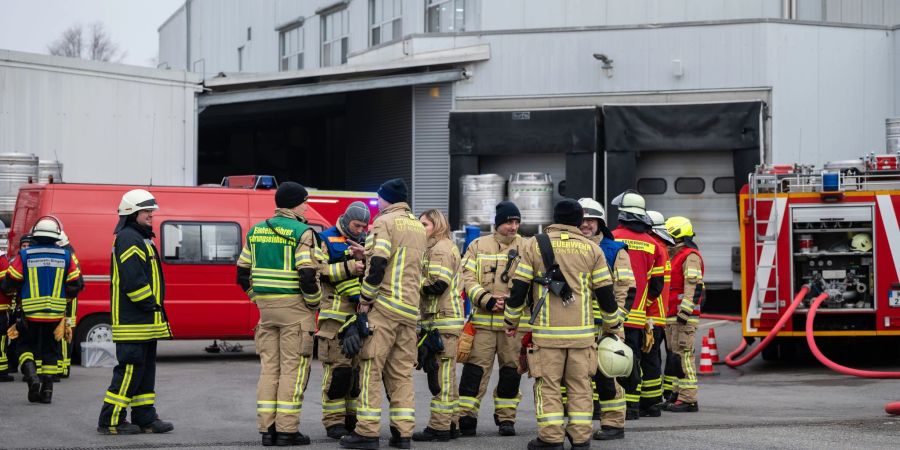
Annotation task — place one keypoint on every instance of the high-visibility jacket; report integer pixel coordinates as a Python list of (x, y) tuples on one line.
[(5, 300), (399, 238), (340, 284), (485, 262), (137, 288), (647, 261), (687, 277), (584, 268), (616, 254), (43, 271), (443, 311), (656, 307)]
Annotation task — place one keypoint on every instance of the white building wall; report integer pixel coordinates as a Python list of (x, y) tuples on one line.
[(172, 46), (107, 123)]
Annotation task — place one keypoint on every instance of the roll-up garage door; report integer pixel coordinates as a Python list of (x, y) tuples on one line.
[(379, 145), (431, 138)]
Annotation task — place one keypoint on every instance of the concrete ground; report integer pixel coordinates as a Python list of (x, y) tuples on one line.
[(211, 400)]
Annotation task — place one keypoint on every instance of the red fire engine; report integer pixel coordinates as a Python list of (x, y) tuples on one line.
[(835, 230)]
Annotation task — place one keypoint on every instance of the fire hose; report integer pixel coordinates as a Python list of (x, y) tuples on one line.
[(890, 408)]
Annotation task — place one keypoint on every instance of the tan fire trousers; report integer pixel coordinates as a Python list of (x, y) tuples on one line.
[(339, 378), (285, 350), (612, 411), (551, 368), (388, 356), (680, 340), (445, 404), (487, 345)]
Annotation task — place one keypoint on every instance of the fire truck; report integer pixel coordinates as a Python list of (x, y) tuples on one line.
[(834, 229)]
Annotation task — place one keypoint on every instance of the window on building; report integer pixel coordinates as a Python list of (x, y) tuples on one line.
[(291, 45), (201, 242), (249, 33), (724, 185), (445, 16), (651, 186), (385, 21), (241, 58), (335, 38), (690, 185)]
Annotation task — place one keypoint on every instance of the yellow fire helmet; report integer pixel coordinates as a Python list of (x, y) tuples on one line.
[(679, 227)]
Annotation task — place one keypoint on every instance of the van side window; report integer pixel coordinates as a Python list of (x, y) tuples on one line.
[(201, 242)]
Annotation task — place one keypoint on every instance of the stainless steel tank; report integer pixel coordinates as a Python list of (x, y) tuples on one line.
[(532, 192), (47, 169), (15, 170), (892, 134), (479, 196)]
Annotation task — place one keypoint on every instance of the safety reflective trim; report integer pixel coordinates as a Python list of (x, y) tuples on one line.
[(657, 270), (15, 274), (140, 293), (524, 271), (132, 251), (334, 315), (123, 389), (348, 288), (403, 414), (612, 405), (408, 311), (368, 290), (632, 398), (600, 275), (652, 382), (302, 257), (624, 274), (373, 414), (501, 403), (275, 273), (313, 299), (265, 406), (548, 419), (335, 406), (27, 356), (336, 271), (651, 394), (475, 292), (143, 400), (74, 275), (440, 272), (116, 400), (470, 403), (563, 331), (470, 265), (383, 246), (245, 255), (448, 324), (288, 407), (580, 418), (444, 407)]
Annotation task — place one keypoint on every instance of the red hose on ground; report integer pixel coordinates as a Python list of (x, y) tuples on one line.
[(765, 342), (890, 408)]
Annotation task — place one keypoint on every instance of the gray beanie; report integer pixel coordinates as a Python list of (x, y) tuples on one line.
[(356, 211)]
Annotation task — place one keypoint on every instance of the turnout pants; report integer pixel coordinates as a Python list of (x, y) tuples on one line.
[(340, 383), (611, 398), (651, 371), (476, 373), (285, 350), (634, 338), (4, 342), (132, 386), (680, 341), (39, 345), (387, 357), (445, 398), (552, 368)]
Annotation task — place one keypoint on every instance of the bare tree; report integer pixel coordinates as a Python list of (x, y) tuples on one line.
[(99, 45)]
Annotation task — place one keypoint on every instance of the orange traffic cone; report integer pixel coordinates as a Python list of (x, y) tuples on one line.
[(706, 367), (713, 348)]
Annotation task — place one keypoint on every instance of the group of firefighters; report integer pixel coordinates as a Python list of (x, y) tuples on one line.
[(384, 300)]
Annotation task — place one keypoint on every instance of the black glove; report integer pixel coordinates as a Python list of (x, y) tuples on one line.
[(148, 305), (422, 358), (434, 342), (434, 382), (362, 325), (681, 320), (351, 342), (4, 322)]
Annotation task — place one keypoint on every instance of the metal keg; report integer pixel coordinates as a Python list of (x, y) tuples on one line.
[(532, 192), (892, 133), (15, 170), (479, 196), (47, 169)]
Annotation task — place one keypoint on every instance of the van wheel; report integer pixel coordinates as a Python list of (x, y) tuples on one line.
[(94, 329)]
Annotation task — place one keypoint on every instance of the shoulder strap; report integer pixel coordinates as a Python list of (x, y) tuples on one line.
[(543, 241)]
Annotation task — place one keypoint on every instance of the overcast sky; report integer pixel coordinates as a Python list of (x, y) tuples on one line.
[(30, 25)]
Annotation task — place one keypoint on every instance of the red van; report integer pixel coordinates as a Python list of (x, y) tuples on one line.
[(199, 233)]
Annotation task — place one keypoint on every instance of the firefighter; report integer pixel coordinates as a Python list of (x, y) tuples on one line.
[(488, 266), (443, 317), (610, 396), (648, 264), (343, 246), (563, 271), (6, 305), (137, 302), (651, 361), (44, 277), (12, 355), (389, 295), (684, 311), (278, 270), (65, 362)]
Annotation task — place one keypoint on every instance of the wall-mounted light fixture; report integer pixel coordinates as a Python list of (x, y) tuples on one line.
[(607, 64)]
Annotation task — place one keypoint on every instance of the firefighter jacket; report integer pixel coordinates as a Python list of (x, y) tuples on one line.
[(485, 266), (687, 278), (584, 267), (394, 252), (44, 275), (622, 276), (137, 290), (282, 258), (442, 306), (647, 261), (5, 300), (657, 307), (340, 284)]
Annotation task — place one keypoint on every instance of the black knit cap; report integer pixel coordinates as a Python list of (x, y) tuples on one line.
[(506, 211), (394, 191), (568, 212), (290, 194)]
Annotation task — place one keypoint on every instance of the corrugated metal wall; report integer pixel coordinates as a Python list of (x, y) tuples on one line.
[(380, 141), (431, 137)]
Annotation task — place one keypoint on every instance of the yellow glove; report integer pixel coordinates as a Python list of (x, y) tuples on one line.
[(60, 330), (12, 332), (67, 335), (648, 338)]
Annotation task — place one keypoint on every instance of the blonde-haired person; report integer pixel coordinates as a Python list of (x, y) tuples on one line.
[(442, 315)]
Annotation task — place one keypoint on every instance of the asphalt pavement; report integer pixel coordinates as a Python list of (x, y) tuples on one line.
[(211, 400)]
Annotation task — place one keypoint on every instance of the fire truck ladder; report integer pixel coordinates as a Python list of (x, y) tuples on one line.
[(765, 248)]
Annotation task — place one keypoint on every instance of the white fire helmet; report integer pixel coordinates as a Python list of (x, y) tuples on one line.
[(631, 201), (592, 209), (136, 200), (861, 242), (615, 359), (47, 226)]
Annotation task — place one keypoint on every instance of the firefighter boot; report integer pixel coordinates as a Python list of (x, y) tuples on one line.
[(286, 439), (632, 413), (538, 444), (336, 431), (507, 428), (123, 428), (430, 434), (670, 400), (29, 370), (158, 426), (454, 431), (354, 440), (398, 442), (46, 389), (350, 422), (652, 411), (680, 406), (585, 444), (607, 433), (467, 425), (268, 438)]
